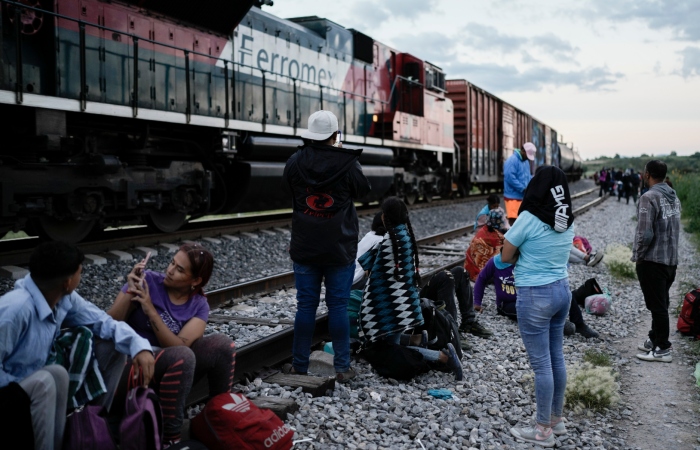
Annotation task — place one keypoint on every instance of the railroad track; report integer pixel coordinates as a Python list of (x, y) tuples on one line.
[(17, 252), (275, 349)]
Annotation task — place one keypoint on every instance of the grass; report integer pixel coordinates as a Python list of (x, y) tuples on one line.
[(617, 258), (597, 358), (591, 387)]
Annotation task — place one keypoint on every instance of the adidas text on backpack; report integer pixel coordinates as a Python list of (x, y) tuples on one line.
[(231, 421)]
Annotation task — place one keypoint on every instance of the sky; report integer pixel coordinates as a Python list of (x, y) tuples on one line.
[(611, 76)]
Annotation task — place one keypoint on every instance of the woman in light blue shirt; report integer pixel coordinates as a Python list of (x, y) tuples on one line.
[(538, 244)]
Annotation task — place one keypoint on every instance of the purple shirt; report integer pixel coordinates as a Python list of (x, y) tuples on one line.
[(503, 281), (174, 316)]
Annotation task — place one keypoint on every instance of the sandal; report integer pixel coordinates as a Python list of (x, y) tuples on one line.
[(289, 369)]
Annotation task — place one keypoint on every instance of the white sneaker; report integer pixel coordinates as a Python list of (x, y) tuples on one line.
[(646, 346), (559, 429), (657, 355)]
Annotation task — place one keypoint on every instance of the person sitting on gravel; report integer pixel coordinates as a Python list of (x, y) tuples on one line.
[(493, 204), (447, 285), (501, 275), (369, 240), (170, 310), (538, 244), (31, 318), (391, 298), (487, 243)]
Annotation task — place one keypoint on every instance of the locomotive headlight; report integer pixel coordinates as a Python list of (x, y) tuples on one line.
[(228, 143)]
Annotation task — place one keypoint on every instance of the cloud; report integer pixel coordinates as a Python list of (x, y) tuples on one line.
[(488, 38), (484, 37), (507, 78), (428, 46), (368, 15), (680, 16), (554, 45), (691, 62)]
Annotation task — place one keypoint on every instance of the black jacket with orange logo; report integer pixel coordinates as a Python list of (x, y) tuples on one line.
[(324, 181)]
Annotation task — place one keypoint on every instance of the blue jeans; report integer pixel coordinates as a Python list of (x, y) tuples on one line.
[(542, 311), (428, 355), (338, 280)]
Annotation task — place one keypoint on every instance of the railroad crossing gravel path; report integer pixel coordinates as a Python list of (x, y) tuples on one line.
[(375, 413)]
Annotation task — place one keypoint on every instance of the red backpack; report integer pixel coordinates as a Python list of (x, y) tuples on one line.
[(688, 319), (231, 421)]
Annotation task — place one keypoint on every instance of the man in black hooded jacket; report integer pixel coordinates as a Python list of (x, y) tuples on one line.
[(324, 180)]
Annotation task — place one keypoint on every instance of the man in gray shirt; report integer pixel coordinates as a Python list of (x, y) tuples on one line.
[(656, 254)]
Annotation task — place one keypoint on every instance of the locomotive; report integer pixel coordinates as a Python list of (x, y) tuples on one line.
[(156, 112)]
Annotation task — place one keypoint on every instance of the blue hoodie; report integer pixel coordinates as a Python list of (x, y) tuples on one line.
[(516, 176)]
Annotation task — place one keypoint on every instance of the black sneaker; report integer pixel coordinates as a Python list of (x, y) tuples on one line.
[(569, 328), (453, 362), (476, 329), (464, 343), (586, 331)]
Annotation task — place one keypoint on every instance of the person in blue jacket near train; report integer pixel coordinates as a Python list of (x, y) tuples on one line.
[(516, 176)]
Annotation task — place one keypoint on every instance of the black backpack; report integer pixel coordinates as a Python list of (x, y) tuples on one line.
[(395, 361), (441, 327)]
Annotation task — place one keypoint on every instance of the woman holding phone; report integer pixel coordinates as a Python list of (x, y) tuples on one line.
[(170, 310)]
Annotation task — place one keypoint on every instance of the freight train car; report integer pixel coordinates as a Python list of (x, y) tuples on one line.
[(154, 111), (487, 130)]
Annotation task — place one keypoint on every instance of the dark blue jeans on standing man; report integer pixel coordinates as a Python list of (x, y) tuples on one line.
[(337, 280)]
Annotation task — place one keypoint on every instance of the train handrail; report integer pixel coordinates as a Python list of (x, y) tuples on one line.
[(82, 24)]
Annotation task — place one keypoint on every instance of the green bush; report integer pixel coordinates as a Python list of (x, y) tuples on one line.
[(590, 387), (617, 258), (687, 187), (596, 358)]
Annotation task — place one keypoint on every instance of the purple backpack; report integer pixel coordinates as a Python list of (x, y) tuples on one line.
[(87, 429), (142, 425)]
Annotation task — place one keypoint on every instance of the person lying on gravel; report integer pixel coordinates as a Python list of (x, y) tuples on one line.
[(493, 204), (31, 318), (582, 253), (170, 310), (487, 243), (538, 244), (500, 275), (391, 298)]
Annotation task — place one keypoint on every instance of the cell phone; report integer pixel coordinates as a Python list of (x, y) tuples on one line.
[(338, 139), (143, 272)]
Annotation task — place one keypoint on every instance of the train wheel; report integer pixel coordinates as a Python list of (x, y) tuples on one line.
[(166, 221), (411, 198), (71, 231)]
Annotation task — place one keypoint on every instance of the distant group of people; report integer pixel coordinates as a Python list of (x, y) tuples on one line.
[(623, 184)]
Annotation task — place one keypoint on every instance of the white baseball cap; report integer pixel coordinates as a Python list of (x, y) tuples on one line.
[(322, 124), (530, 150)]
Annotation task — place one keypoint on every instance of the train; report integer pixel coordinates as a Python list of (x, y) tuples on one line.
[(156, 112)]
